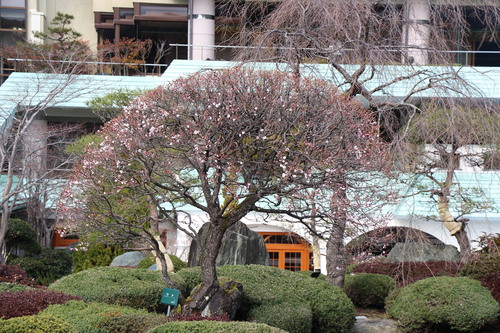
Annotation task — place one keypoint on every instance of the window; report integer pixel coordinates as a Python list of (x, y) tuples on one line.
[(12, 19), (287, 251), (13, 3)]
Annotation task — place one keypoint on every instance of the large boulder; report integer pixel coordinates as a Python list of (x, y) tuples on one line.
[(417, 251), (240, 246), (226, 301), (129, 259)]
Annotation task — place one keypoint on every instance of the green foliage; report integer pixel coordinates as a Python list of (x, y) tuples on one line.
[(110, 105), (86, 317), (457, 303), (132, 323), (46, 267), (214, 326), (35, 324), (96, 255), (331, 309), (59, 30), (146, 263), (291, 317), (133, 287), (368, 290), (486, 261), (481, 265), (78, 146), (308, 274), (178, 263), (13, 287), (21, 235)]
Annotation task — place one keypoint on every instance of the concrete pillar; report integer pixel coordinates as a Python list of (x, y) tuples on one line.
[(36, 23), (416, 31), (202, 29)]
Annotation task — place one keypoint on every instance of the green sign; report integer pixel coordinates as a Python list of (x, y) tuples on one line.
[(170, 296)]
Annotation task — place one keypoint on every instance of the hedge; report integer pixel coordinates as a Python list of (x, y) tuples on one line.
[(46, 267), (137, 288), (12, 287), (332, 310), (25, 303), (35, 324), (97, 255), (87, 317), (368, 290), (456, 303), (214, 326)]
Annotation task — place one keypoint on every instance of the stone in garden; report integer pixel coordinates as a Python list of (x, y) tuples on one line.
[(416, 251), (131, 259), (240, 246), (367, 325), (226, 301)]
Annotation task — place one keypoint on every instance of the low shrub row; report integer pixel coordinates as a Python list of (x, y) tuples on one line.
[(102, 318), (405, 273), (214, 326), (47, 266), (35, 324), (137, 288), (25, 303), (12, 287), (15, 274), (294, 302), (368, 290), (456, 303), (95, 255)]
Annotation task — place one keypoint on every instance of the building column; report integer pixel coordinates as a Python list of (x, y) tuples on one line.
[(202, 29), (416, 31), (35, 149)]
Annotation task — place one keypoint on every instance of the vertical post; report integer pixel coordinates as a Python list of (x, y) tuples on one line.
[(202, 34), (417, 31)]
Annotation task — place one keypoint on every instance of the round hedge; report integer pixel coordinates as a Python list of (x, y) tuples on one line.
[(293, 317), (368, 290), (87, 317), (36, 324), (332, 310), (214, 326), (457, 303), (137, 288)]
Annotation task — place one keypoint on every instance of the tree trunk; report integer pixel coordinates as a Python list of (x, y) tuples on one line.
[(464, 244), (335, 253), (210, 283)]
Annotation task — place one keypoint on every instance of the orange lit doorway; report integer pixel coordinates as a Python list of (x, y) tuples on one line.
[(288, 251)]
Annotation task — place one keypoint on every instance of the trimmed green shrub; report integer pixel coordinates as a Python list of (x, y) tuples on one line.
[(21, 235), (308, 274), (131, 323), (25, 303), (457, 303), (47, 266), (86, 317), (35, 324), (214, 326), (293, 317), (12, 287), (332, 310), (138, 288), (368, 290), (96, 255)]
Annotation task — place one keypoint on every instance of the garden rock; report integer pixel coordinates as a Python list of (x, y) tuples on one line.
[(367, 325), (226, 301), (240, 246), (416, 251), (129, 259)]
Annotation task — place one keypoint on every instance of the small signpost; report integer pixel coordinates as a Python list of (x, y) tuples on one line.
[(170, 297)]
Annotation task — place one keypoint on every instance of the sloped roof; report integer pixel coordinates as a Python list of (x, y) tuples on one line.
[(483, 82)]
